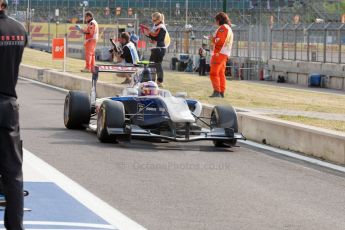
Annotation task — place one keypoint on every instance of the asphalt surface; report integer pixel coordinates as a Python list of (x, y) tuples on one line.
[(183, 186)]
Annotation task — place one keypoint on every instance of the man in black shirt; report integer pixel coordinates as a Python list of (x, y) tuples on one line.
[(12, 42), (129, 54)]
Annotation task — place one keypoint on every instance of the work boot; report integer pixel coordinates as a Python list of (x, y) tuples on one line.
[(85, 70), (215, 94), (222, 95)]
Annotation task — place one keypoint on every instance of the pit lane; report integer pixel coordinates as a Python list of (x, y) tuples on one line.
[(183, 185)]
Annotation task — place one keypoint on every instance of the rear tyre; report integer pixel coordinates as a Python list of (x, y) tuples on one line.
[(224, 117), (111, 115), (77, 110)]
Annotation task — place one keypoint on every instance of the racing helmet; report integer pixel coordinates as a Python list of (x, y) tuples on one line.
[(149, 88), (4, 4)]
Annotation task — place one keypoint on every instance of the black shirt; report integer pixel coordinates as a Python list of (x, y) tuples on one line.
[(13, 39), (126, 54), (158, 36)]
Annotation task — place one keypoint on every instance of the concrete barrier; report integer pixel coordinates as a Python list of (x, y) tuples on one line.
[(321, 143), (325, 144), (67, 81), (317, 142), (34, 73), (297, 72)]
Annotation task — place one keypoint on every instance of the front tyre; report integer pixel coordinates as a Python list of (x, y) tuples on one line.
[(111, 115), (77, 110), (224, 117)]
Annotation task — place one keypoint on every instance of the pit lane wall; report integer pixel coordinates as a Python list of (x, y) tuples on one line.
[(321, 143), (297, 72)]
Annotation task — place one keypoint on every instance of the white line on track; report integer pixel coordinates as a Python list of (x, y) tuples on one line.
[(65, 228), (64, 224), (251, 143), (296, 156), (95, 204)]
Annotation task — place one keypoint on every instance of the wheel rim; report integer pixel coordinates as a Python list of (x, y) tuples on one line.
[(213, 121), (100, 121), (66, 110)]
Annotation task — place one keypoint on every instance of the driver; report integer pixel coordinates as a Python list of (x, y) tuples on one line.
[(149, 88), (129, 55)]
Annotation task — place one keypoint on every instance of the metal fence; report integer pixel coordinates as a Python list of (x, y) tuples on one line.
[(249, 41), (247, 57), (314, 42), (253, 45)]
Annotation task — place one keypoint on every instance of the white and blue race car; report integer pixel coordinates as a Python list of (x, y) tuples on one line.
[(161, 116)]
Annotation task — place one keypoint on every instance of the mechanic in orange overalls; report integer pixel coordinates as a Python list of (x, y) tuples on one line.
[(222, 44), (91, 37)]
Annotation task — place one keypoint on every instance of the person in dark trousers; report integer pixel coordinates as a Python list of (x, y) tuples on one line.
[(159, 36), (202, 60), (13, 39)]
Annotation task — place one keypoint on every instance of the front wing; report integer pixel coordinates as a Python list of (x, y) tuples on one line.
[(216, 134)]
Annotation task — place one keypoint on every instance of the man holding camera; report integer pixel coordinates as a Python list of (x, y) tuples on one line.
[(128, 54), (13, 39)]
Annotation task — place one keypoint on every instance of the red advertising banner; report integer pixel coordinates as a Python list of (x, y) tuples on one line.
[(58, 49)]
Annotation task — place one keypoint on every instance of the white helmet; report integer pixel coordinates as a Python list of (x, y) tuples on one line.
[(149, 88)]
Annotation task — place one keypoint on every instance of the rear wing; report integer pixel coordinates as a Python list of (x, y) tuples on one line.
[(120, 68)]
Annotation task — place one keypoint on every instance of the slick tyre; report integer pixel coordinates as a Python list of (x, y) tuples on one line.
[(110, 115), (224, 117), (77, 110)]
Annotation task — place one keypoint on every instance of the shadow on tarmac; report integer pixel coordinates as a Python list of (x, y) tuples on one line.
[(62, 136)]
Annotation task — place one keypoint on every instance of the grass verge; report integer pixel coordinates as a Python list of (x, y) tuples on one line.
[(327, 124)]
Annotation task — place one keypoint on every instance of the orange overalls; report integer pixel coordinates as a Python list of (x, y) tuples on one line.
[(222, 42), (91, 37)]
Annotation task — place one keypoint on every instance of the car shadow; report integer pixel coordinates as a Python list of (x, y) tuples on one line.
[(63, 136), (172, 146)]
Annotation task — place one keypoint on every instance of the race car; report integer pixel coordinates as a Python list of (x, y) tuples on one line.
[(147, 112)]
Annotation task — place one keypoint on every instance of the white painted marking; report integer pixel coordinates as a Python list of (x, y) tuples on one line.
[(95, 204), (296, 156), (66, 224)]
